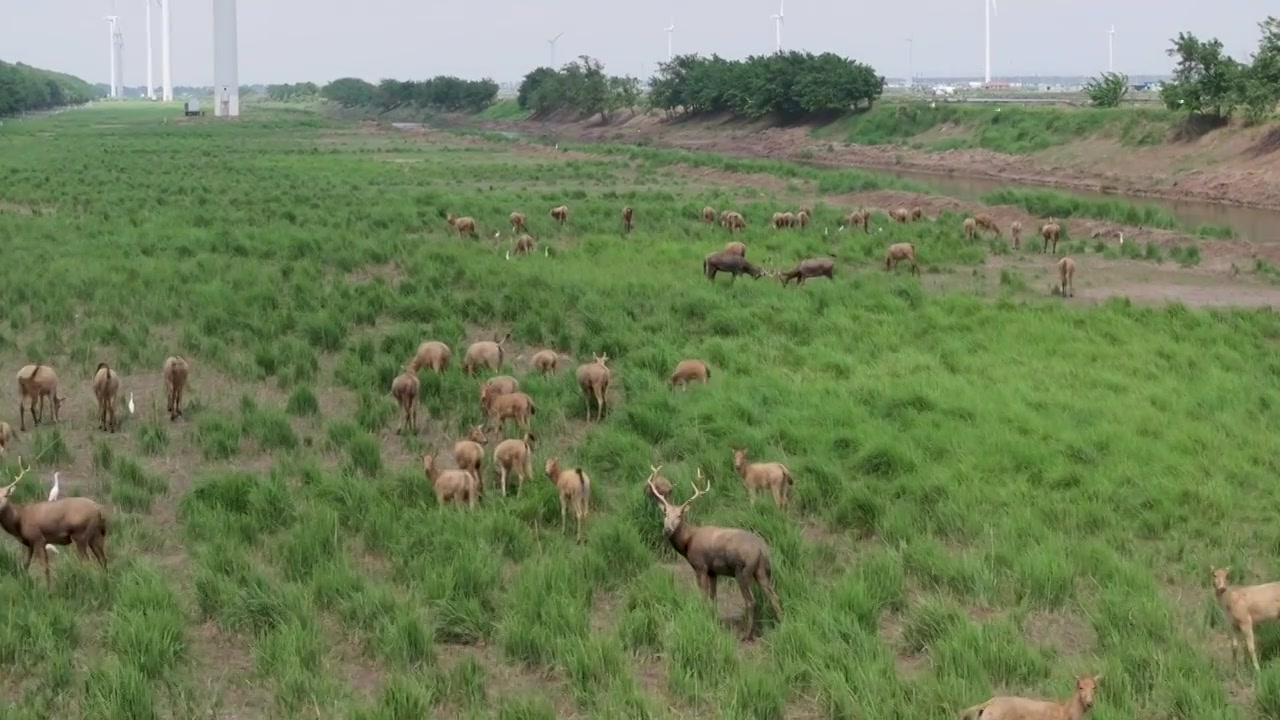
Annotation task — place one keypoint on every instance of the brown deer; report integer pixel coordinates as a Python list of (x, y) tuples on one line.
[(62, 521), (715, 551), (176, 372)]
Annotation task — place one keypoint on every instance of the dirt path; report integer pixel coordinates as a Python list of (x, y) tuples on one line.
[(1239, 168)]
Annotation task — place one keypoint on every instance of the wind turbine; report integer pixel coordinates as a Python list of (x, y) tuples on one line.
[(226, 66), (151, 63), (166, 60), (670, 30), (111, 37), (1111, 49), (777, 24), (990, 7), (552, 46)]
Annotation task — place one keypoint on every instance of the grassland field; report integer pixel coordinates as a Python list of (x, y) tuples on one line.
[(995, 488)]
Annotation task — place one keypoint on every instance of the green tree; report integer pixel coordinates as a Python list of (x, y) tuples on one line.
[(1206, 81), (1260, 81), (624, 92), (350, 92), (1107, 90), (792, 85)]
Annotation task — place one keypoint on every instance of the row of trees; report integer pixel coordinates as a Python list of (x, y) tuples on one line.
[(291, 92), (582, 87), (791, 85), (443, 92), (24, 88)]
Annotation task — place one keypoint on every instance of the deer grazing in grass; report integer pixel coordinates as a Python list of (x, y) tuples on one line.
[(404, 388), (715, 551), (61, 521)]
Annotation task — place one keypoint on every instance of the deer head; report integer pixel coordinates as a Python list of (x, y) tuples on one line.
[(673, 515)]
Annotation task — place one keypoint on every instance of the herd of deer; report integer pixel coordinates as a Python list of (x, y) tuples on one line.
[(71, 520), (732, 258), (711, 552)]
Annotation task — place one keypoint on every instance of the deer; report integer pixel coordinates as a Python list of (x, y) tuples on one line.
[(1005, 707), (593, 380), (627, 215), (176, 372), (35, 383), (715, 551), (106, 386), (62, 521)]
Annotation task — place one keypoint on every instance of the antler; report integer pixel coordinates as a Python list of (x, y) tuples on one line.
[(698, 492), (657, 494), (18, 478)]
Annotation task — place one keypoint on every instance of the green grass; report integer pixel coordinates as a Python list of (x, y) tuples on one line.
[(1051, 203), (503, 110), (1014, 129), (994, 489)]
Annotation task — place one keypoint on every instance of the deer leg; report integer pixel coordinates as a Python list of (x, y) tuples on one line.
[(766, 585), (22, 416), (1247, 631), (502, 479), (26, 565), (748, 603), (95, 544), (562, 514), (776, 490), (44, 560)]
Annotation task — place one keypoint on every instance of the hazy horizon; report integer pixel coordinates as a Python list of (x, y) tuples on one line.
[(294, 41)]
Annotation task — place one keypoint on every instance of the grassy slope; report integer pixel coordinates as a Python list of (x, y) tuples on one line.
[(1013, 129), (990, 495)]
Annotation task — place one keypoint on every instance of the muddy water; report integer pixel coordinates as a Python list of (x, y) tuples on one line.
[(1249, 223)]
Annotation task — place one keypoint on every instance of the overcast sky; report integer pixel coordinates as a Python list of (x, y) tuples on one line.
[(319, 40)]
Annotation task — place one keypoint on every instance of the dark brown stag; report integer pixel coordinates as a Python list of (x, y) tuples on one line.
[(715, 551)]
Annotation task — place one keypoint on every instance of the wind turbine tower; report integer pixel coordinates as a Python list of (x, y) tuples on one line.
[(226, 80), (166, 60), (151, 63), (111, 49), (1111, 49), (777, 24), (118, 42), (551, 45), (670, 30), (990, 7)]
